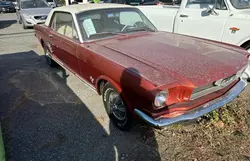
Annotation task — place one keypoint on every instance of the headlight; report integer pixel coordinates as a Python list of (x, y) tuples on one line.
[(160, 99)]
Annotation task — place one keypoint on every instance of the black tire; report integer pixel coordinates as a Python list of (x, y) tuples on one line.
[(123, 123), (49, 61), (246, 46)]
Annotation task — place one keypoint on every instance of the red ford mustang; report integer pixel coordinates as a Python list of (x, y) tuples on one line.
[(161, 77)]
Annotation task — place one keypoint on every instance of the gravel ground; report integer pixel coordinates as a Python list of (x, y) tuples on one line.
[(47, 116)]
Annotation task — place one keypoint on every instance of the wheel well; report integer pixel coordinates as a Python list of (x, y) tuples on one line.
[(245, 44), (100, 85)]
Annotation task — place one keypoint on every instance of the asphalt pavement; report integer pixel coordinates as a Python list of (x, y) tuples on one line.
[(49, 115)]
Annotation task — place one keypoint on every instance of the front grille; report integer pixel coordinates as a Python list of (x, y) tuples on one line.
[(40, 17), (196, 90), (210, 88)]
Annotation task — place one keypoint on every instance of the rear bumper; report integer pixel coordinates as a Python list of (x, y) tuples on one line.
[(198, 111)]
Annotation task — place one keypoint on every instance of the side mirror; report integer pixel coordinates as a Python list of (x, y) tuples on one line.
[(210, 10)]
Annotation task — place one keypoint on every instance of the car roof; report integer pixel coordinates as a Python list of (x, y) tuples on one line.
[(76, 8)]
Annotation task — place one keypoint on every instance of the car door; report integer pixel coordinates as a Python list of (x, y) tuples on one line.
[(64, 40), (193, 19)]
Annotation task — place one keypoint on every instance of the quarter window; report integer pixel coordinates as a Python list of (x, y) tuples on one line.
[(202, 4), (63, 24)]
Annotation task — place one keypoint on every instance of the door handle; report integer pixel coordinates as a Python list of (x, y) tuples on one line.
[(50, 36), (182, 15)]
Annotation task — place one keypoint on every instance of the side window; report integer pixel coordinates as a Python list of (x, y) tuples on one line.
[(203, 4), (63, 24), (220, 5)]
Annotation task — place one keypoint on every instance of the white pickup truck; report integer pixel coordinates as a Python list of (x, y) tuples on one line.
[(221, 20)]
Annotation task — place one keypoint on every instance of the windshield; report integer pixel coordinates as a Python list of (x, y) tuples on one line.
[(50, 0), (241, 4), (33, 4), (108, 22)]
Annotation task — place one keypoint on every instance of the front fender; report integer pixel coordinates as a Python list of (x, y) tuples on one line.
[(106, 78), (239, 36), (117, 87)]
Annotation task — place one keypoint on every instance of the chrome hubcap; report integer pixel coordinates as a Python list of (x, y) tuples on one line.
[(117, 106)]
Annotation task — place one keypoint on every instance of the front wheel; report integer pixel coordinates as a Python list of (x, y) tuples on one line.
[(116, 108), (247, 47)]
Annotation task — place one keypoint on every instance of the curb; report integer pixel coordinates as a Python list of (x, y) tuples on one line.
[(2, 151)]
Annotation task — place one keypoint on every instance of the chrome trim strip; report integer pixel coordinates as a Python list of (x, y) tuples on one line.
[(205, 92), (212, 89), (87, 83), (84, 81), (198, 111)]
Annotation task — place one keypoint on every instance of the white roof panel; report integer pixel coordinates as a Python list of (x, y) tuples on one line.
[(89, 6)]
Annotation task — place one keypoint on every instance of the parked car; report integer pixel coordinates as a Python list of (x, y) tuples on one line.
[(222, 20), (161, 77), (31, 12), (143, 2), (52, 3), (6, 7)]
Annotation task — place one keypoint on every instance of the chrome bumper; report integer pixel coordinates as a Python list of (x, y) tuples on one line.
[(198, 111)]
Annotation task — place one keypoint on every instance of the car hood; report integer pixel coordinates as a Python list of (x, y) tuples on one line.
[(179, 58), (36, 11)]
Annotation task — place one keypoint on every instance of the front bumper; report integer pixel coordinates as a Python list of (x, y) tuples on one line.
[(198, 111), (30, 22)]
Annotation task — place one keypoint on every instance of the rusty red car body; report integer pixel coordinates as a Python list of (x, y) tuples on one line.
[(139, 65)]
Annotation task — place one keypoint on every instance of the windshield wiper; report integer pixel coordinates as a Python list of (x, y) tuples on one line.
[(102, 34), (139, 29), (105, 33)]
